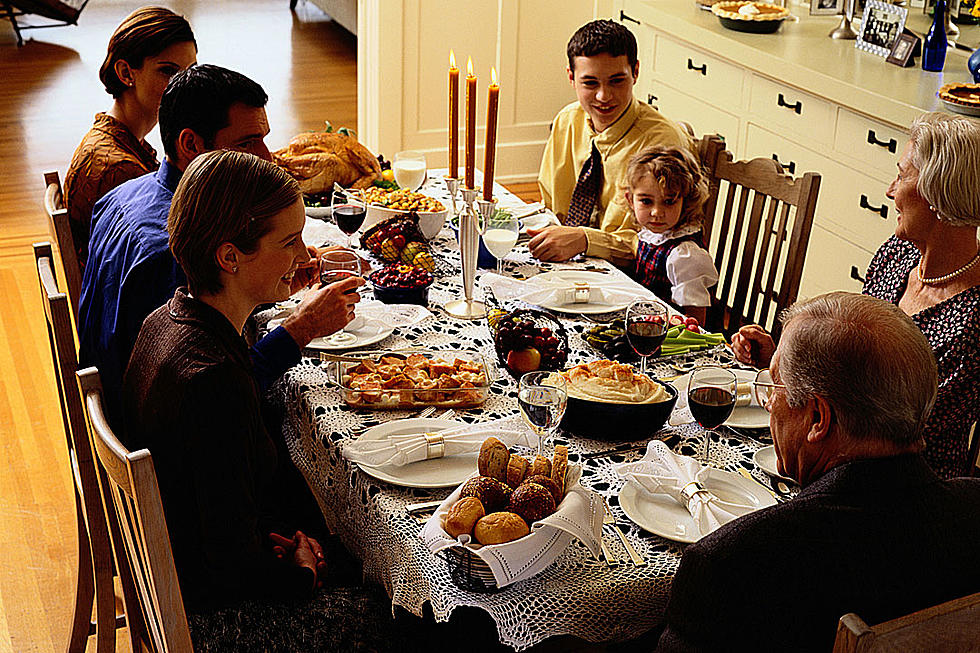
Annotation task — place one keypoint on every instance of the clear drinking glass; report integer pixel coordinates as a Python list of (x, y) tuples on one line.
[(348, 212), (711, 394), (542, 397), (409, 168), (337, 265), (646, 328), (500, 236)]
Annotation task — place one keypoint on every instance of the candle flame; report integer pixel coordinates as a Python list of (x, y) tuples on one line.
[(452, 60), (469, 66), (493, 76)]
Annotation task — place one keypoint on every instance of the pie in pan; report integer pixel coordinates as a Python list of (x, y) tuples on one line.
[(961, 98), (754, 11)]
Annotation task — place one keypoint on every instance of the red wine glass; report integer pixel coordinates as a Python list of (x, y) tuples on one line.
[(646, 328), (348, 212), (711, 394)]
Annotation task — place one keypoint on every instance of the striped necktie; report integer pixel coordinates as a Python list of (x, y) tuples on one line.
[(586, 193)]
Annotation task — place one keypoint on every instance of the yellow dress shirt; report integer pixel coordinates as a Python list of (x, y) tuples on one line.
[(570, 144)]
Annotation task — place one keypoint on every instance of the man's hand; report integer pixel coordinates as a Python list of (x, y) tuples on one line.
[(324, 311), (302, 551), (554, 243), (752, 345)]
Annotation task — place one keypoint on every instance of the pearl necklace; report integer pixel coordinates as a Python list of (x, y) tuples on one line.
[(933, 281)]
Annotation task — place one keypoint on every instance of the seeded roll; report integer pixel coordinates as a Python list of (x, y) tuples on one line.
[(532, 502), (548, 484), (492, 493)]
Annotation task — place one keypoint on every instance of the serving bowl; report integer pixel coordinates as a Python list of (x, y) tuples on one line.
[(611, 422), (430, 222), (401, 294)]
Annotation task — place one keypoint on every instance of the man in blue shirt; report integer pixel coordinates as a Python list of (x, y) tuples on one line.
[(131, 271)]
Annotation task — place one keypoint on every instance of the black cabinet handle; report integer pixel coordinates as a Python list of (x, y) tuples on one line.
[(889, 145), (623, 17), (880, 210), (855, 274), (703, 68), (781, 101), (651, 98), (788, 167)]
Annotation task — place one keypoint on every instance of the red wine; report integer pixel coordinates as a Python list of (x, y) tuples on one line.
[(710, 406), (328, 277), (646, 337), (349, 217)]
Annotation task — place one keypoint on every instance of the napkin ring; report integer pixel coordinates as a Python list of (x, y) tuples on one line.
[(435, 446), (579, 293), (692, 490)]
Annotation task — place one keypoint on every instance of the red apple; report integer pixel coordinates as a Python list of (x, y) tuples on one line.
[(692, 327), (523, 360), (691, 320)]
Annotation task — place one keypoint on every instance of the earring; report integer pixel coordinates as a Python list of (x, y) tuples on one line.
[(234, 269)]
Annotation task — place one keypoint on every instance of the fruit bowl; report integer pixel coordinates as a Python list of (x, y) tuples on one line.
[(528, 340), (401, 284)]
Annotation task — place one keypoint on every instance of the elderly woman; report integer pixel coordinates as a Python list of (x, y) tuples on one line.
[(930, 268), (149, 47), (190, 396)]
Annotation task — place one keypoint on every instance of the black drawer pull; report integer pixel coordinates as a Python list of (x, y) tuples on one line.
[(703, 68), (788, 167), (781, 101), (651, 98), (880, 210), (623, 17), (855, 274), (889, 145)]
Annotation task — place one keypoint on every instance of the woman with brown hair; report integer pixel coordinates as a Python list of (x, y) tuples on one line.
[(148, 48)]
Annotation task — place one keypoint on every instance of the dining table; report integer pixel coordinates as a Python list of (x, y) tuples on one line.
[(578, 595)]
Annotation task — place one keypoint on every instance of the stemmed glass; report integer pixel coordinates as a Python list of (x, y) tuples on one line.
[(542, 397), (711, 394), (337, 265), (500, 236), (409, 168), (349, 212), (646, 328)]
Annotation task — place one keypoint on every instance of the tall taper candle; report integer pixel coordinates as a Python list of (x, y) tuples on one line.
[(453, 116), (490, 150), (470, 145)]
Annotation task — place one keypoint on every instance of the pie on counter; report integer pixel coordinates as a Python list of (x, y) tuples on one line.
[(754, 11), (962, 98)]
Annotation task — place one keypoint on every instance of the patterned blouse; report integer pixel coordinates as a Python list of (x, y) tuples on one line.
[(108, 155), (952, 327)]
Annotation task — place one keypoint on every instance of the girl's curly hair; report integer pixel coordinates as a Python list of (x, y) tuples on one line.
[(679, 175)]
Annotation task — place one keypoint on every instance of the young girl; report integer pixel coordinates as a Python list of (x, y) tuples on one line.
[(666, 193)]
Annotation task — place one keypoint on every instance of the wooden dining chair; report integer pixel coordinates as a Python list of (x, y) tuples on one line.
[(95, 565), (951, 627), (131, 486), (58, 223), (757, 226)]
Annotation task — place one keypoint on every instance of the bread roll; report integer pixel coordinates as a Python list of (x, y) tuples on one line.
[(532, 502), (493, 459), (540, 466), (463, 515), (493, 494), (548, 484), (516, 470), (559, 467), (500, 527)]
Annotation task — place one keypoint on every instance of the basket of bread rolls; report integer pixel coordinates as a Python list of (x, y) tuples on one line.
[(513, 518)]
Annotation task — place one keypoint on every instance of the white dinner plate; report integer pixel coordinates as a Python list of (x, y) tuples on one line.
[(765, 458), (358, 333), (661, 515), (745, 417), (319, 212), (438, 472), (569, 277)]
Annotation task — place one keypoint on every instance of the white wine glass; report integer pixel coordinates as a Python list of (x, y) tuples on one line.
[(542, 397), (646, 328), (500, 236), (409, 169), (337, 265), (711, 394)]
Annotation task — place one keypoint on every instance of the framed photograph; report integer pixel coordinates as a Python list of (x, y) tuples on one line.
[(826, 7), (880, 27), (903, 50)]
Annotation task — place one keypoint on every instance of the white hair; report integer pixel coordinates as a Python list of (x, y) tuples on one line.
[(946, 151)]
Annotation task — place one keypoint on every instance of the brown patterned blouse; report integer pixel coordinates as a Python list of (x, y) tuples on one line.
[(952, 327), (108, 155)]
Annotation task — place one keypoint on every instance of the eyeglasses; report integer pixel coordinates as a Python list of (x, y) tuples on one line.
[(764, 388)]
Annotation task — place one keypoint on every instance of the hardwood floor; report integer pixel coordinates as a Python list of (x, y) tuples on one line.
[(50, 91)]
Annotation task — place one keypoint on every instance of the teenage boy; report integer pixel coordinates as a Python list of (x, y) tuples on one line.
[(590, 145)]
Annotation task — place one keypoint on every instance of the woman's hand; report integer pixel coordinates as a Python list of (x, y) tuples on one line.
[(752, 345), (303, 551), (324, 311)]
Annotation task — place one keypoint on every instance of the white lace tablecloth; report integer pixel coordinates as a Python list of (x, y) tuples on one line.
[(578, 595)]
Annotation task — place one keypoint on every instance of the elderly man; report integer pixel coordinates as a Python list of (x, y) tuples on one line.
[(873, 531)]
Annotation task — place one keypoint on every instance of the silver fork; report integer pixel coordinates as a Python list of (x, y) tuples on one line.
[(426, 412), (609, 520)]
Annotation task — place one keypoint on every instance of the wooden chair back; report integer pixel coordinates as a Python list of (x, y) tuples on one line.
[(54, 206), (757, 227), (132, 486), (951, 627)]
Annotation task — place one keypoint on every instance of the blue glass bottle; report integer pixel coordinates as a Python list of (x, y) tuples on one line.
[(973, 64), (934, 48)]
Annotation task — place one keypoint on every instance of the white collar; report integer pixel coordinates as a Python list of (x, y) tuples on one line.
[(656, 240)]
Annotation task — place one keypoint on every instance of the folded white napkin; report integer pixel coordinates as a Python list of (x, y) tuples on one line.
[(661, 471), (408, 448), (578, 516), (391, 315), (614, 290)]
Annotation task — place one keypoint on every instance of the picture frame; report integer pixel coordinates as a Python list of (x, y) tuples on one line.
[(826, 7), (904, 50), (881, 26)]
